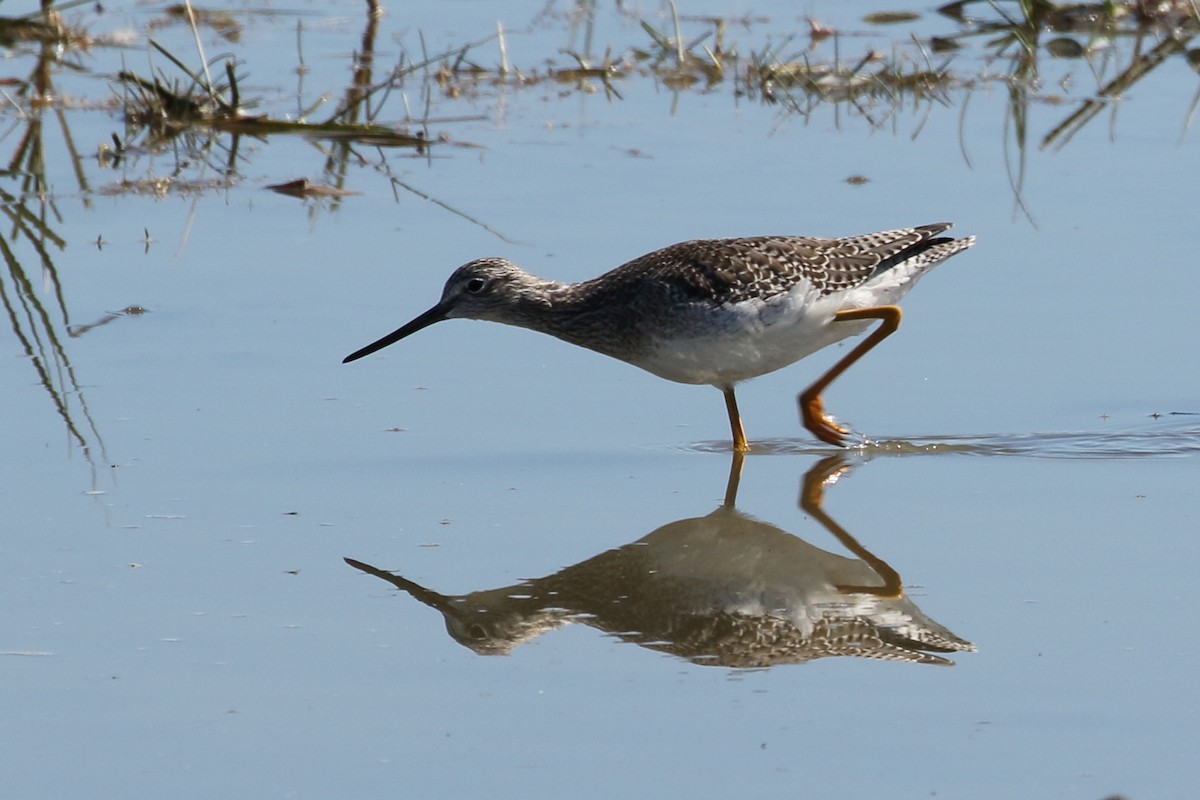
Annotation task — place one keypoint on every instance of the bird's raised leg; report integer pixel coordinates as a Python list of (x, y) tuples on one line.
[(735, 421), (812, 410)]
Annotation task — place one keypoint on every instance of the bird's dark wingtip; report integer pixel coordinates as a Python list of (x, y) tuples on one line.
[(934, 228)]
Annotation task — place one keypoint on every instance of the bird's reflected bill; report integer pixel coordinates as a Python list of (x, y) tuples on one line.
[(435, 314), (427, 596)]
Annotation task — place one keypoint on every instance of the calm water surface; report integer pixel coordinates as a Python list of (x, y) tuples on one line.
[(182, 485)]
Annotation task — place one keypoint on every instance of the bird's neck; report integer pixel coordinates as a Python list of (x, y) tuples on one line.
[(569, 311)]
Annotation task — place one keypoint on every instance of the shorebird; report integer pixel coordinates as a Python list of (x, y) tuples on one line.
[(713, 311)]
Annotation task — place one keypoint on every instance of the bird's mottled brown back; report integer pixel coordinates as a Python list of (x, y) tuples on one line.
[(733, 270)]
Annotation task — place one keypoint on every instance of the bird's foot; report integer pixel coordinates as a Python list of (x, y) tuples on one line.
[(824, 426)]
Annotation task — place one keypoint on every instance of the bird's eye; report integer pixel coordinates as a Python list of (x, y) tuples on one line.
[(475, 285)]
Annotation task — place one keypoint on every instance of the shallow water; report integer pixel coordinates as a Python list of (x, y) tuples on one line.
[(187, 462)]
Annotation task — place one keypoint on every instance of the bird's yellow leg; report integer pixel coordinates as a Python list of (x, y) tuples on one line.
[(812, 410), (735, 421)]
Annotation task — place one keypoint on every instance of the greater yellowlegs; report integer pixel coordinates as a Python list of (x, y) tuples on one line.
[(713, 311)]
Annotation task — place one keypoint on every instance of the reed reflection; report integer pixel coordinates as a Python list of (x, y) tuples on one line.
[(723, 590), (31, 289)]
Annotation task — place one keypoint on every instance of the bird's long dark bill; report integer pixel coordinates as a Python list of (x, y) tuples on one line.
[(435, 314)]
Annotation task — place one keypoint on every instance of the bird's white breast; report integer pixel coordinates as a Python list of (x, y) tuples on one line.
[(721, 345)]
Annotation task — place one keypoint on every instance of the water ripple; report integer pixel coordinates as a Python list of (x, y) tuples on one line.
[(1158, 440)]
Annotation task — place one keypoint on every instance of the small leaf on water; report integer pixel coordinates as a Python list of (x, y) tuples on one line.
[(303, 187), (942, 44), (890, 17), (1064, 47)]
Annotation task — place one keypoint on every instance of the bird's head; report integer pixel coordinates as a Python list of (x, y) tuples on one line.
[(480, 289)]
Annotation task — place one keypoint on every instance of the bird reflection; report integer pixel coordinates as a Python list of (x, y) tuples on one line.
[(723, 589)]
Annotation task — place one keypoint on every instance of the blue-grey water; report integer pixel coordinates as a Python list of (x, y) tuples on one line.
[(181, 485)]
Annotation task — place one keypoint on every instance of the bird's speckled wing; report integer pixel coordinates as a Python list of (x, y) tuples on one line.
[(733, 270)]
